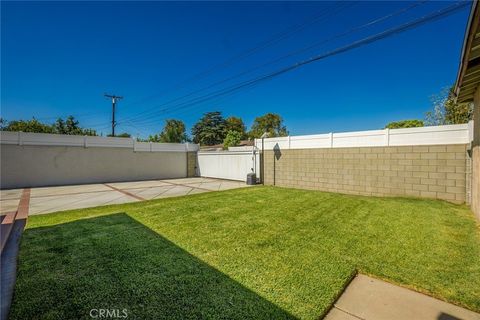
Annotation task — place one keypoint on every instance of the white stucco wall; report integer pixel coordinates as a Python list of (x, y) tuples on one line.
[(32, 166)]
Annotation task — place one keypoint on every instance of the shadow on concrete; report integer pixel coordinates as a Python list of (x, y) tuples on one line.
[(113, 262), (445, 316)]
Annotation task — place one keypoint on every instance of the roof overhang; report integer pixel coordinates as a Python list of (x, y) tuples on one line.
[(468, 78)]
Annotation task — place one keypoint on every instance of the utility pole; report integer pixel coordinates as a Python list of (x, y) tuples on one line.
[(114, 102)]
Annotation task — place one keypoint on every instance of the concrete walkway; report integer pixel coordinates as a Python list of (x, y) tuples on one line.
[(372, 299), (51, 199)]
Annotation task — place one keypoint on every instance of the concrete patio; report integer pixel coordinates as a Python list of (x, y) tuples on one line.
[(50, 199), (373, 299)]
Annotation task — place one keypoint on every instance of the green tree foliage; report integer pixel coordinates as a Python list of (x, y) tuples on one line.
[(210, 129), (32, 125), (123, 135), (413, 123), (71, 126), (446, 111), (68, 126), (151, 138), (271, 123), (232, 139), (236, 124), (173, 132)]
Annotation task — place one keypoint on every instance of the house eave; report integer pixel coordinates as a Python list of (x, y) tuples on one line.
[(468, 77)]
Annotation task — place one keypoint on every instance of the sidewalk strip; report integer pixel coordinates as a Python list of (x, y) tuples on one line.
[(9, 217), (125, 192), (24, 205)]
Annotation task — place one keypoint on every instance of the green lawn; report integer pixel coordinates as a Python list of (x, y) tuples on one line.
[(261, 252)]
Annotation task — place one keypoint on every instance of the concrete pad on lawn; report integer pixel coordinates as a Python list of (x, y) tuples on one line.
[(8, 205), (59, 198), (188, 180), (10, 194), (216, 185), (149, 193), (176, 191), (46, 204), (67, 190), (138, 184), (372, 299), (228, 184), (336, 314)]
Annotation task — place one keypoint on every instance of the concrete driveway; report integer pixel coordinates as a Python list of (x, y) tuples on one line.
[(50, 199)]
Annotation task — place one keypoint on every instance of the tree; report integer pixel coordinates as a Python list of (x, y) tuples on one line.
[(59, 126), (154, 138), (447, 111), (89, 132), (3, 124), (413, 123), (123, 135), (28, 126), (173, 132), (236, 124), (210, 129), (71, 127), (232, 139), (271, 123)]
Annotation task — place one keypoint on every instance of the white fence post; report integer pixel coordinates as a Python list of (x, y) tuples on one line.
[(387, 137), (331, 139), (150, 146), (20, 142), (288, 142), (84, 141)]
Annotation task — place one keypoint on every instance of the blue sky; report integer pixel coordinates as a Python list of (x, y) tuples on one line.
[(58, 58)]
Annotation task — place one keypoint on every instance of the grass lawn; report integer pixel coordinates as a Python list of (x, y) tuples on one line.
[(261, 252)]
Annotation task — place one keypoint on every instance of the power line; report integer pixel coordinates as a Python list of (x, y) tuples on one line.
[(275, 39), (139, 116), (368, 40), (328, 13)]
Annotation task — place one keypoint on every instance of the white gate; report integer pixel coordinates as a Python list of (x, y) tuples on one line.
[(232, 165)]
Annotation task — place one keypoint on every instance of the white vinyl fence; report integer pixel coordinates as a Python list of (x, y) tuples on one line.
[(46, 139), (232, 165), (448, 134)]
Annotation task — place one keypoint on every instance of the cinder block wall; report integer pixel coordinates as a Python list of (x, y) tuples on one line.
[(191, 164), (437, 172), (475, 203)]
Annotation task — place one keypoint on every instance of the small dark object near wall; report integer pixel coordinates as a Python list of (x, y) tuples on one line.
[(251, 179)]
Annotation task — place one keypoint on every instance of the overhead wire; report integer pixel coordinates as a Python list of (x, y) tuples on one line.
[(138, 117), (326, 13), (368, 40)]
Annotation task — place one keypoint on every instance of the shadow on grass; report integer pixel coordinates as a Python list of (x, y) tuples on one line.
[(113, 262)]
